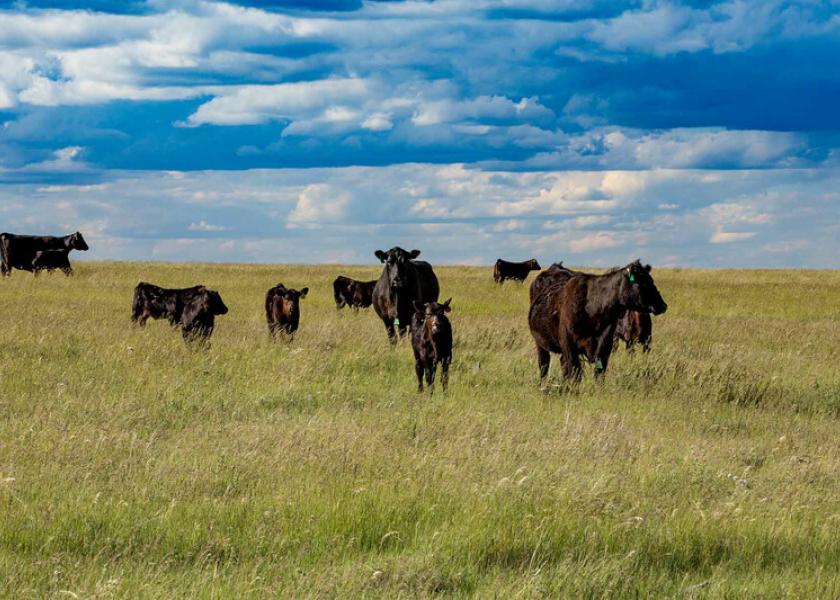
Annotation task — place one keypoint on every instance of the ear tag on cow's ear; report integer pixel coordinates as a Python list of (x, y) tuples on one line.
[(396, 320), (632, 278)]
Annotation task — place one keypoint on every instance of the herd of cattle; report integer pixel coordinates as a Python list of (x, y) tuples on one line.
[(572, 313)]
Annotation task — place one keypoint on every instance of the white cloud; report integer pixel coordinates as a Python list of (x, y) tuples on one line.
[(204, 226), (594, 241), (726, 237), (318, 204)]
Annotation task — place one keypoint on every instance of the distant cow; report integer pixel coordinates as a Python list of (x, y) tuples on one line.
[(282, 309), (18, 251), (517, 271), (353, 293), (579, 318), (553, 275), (633, 328), (431, 339), (403, 281), (50, 260), (192, 309)]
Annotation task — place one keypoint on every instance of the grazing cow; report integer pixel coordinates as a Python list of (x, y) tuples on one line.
[(353, 293), (282, 309), (431, 339), (554, 275), (403, 281), (50, 260), (18, 251), (635, 327), (579, 317), (517, 271), (192, 309)]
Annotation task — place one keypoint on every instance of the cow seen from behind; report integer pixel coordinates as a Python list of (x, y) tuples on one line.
[(282, 309), (431, 340), (579, 317), (403, 281), (518, 271)]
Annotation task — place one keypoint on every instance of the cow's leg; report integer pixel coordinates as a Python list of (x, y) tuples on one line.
[(430, 377), (602, 352), (544, 361), (646, 345), (36, 272), (389, 327), (418, 369), (444, 373), (67, 271)]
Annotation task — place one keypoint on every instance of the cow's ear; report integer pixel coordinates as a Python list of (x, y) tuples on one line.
[(419, 307), (647, 268), (380, 255), (303, 292), (414, 254), (446, 307)]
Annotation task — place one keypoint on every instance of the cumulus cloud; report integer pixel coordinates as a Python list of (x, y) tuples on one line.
[(317, 204)]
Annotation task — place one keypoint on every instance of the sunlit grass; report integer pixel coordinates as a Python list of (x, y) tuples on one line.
[(132, 466)]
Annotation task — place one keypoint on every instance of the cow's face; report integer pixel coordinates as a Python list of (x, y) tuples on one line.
[(639, 292), (214, 303), (396, 265), (291, 299), (534, 265), (433, 313), (77, 242)]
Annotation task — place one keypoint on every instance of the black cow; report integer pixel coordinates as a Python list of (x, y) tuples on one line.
[(50, 260), (431, 340), (578, 318), (353, 293), (282, 309), (518, 271), (18, 251), (403, 281), (192, 309), (633, 328), (554, 275)]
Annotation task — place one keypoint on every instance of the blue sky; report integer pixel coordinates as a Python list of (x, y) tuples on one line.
[(695, 133)]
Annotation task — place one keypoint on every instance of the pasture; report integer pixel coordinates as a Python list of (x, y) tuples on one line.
[(132, 466)]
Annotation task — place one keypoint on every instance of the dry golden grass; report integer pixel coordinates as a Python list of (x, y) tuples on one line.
[(131, 466)]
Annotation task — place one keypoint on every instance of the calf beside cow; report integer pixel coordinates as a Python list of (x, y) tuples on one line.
[(26, 252), (192, 309)]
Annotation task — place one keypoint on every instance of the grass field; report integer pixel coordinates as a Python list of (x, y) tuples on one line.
[(131, 466)]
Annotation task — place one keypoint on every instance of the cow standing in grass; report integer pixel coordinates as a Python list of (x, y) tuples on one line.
[(518, 271), (18, 251), (579, 317), (431, 340), (404, 280), (633, 328), (282, 309), (191, 309), (353, 293), (49, 260)]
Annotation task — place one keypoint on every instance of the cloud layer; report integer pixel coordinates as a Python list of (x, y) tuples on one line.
[(587, 127)]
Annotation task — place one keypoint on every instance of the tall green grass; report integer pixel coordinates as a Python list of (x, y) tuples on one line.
[(132, 466)]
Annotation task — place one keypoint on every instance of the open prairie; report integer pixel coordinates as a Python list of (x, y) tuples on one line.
[(132, 466)]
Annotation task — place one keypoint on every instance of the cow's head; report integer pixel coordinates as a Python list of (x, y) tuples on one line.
[(534, 265), (432, 313), (213, 303), (638, 291), (77, 242), (291, 298), (396, 264)]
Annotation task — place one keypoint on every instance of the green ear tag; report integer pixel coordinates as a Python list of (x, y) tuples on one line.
[(632, 278), (396, 321)]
